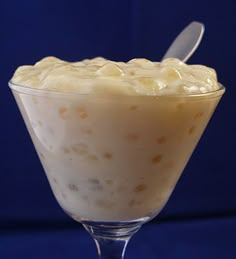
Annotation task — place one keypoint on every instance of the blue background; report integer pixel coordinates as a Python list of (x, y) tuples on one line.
[(118, 30)]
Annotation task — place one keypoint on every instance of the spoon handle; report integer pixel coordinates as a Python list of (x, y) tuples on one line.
[(186, 42)]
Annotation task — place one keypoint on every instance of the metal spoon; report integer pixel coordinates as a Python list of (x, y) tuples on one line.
[(186, 42)]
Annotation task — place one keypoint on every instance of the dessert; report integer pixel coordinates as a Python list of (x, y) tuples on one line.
[(100, 76), (114, 137)]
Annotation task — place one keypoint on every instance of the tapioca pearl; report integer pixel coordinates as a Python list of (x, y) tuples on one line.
[(139, 202), (73, 187), (104, 204), (94, 184), (94, 181), (80, 149), (161, 140), (142, 62), (63, 113), (76, 149), (132, 137), (133, 203), (109, 182), (132, 73), (191, 130), (147, 81), (170, 73), (108, 155), (82, 112), (96, 188), (133, 107), (92, 157), (140, 188), (83, 115), (157, 159), (110, 69), (198, 115), (180, 106), (172, 62)]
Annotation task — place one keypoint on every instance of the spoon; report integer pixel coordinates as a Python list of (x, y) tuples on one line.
[(186, 42)]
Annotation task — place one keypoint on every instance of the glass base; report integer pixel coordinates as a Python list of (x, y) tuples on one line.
[(113, 229)]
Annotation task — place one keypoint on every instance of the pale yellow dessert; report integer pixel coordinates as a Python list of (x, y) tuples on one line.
[(114, 137), (101, 76)]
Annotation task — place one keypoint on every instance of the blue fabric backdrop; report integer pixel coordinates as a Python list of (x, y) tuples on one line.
[(119, 30), (31, 223)]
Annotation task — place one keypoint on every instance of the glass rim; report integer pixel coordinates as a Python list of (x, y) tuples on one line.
[(45, 92)]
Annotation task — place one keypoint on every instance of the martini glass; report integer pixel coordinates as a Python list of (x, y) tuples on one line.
[(113, 161)]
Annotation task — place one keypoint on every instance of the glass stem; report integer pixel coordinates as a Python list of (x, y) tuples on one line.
[(111, 248), (111, 238)]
